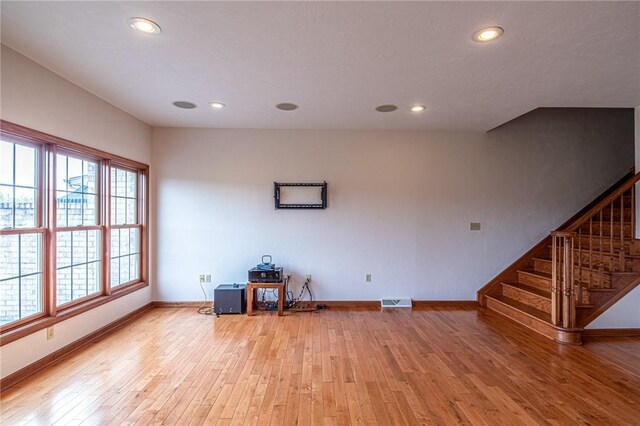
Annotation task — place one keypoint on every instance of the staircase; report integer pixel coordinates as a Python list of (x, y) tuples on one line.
[(575, 274)]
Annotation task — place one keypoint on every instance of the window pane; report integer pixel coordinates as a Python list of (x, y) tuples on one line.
[(124, 270), (93, 277), (79, 287), (20, 276), (131, 212), (121, 217), (25, 208), (114, 179), (6, 163), (61, 214), (131, 184), (74, 178), (63, 285), (115, 272), (79, 247), (93, 245), (113, 211), (10, 307), (9, 255), (61, 172), (63, 249), (25, 166), (121, 183), (125, 260), (78, 256), (89, 210), (124, 202), (30, 295), (124, 242), (74, 209), (6, 207), (134, 266), (90, 173), (17, 203), (134, 240), (30, 255), (115, 242)]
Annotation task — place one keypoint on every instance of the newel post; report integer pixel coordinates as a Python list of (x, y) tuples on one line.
[(563, 305)]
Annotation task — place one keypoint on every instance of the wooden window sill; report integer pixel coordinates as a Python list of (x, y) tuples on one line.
[(70, 312)]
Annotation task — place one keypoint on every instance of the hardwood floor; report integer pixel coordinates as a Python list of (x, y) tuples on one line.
[(426, 366)]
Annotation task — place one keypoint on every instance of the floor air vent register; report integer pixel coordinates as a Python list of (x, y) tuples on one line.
[(395, 303)]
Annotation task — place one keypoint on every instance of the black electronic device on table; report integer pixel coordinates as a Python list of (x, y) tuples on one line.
[(266, 272), (230, 299)]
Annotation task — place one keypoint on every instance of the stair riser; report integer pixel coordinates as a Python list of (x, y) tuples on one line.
[(539, 302), (596, 280), (595, 259), (542, 266), (542, 283), (535, 324)]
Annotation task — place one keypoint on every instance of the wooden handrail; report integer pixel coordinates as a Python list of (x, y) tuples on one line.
[(602, 204)]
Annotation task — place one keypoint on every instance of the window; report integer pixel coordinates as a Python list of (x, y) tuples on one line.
[(73, 231), (78, 236), (125, 228), (21, 237)]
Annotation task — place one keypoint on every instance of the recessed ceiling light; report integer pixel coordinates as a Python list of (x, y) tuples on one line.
[(418, 108), (286, 106), (216, 105), (184, 104), (144, 25), (487, 34), (387, 108)]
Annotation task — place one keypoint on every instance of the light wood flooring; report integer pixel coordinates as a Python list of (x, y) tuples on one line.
[(340, 366)]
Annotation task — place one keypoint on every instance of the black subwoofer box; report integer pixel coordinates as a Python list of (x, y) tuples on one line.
[(230, 299)]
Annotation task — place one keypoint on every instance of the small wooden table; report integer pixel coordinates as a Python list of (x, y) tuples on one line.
[(252, 295)]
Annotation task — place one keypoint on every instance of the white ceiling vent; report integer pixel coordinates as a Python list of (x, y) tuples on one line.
[(395, 303)]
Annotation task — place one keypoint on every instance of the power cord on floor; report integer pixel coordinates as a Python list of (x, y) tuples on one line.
[(206, 310)]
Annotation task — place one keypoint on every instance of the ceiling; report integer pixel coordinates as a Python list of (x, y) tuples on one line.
[(337, 60)]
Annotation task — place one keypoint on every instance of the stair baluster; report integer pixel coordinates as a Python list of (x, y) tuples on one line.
[(563, 304)]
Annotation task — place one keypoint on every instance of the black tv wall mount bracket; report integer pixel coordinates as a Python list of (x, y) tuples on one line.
[(322, 204)]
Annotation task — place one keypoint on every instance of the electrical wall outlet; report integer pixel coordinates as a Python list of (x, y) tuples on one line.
[(201, 278), (208, 278), (50, 333), (367, 278)]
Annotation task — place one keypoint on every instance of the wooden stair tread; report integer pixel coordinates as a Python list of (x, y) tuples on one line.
[(533, 312), (529, 289)]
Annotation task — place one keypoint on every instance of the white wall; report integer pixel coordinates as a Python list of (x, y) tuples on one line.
[(37, 98), (624, 314), (400, 203)]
